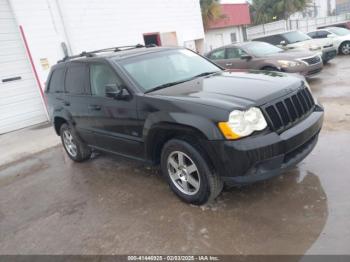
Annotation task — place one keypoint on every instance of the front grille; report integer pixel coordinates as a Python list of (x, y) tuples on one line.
[(290, 109), (312, 60)]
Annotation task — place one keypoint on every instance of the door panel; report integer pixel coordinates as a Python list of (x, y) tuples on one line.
[(77, 98), (115, 121), (233, 59)]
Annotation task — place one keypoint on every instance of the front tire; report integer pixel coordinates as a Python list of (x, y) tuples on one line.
[(188, 173), (344, 48), (74, 146)]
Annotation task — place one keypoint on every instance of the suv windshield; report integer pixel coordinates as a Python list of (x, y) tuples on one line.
[(260, 49), (339, 31), (162, 69), (295, 37)]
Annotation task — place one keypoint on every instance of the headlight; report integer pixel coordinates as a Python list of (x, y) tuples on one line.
[(286, 63), (314, 47), (243, 123)]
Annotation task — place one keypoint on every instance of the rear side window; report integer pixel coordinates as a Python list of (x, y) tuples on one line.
[(57, 81), (77, 79)]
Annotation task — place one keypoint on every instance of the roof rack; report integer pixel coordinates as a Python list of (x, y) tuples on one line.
[(111, 49)]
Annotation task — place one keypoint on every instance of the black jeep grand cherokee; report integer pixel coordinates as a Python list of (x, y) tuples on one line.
[(205, 126)]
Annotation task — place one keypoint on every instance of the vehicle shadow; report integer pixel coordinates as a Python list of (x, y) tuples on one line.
[(111, 205), (284, 215)]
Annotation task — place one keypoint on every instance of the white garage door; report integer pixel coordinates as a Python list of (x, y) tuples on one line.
[(20, 100)]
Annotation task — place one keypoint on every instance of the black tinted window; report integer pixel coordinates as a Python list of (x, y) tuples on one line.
[(77, 77), (274, 39), (322, 34), (57, 81), (312, 34)]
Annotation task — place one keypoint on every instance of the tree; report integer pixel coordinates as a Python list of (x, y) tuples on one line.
[(265, 11), (211, 11)]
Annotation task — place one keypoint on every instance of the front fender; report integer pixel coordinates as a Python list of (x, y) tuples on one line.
[(203, 125)]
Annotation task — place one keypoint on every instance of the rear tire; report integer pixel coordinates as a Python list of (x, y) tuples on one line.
[(76, 149), (188, 173), (344, 48)]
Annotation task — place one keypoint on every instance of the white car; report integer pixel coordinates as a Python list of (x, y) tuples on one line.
[(339, 36), (297, 40)]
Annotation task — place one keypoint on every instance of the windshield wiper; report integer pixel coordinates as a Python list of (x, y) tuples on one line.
[(205, 74), (166, 85), (179, 82)]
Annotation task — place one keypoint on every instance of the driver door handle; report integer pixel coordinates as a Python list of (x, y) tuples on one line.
[(95, 107), (229, 64)]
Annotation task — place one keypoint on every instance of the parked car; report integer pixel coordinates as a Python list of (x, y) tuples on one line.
[(170, 106), (339, 36), (299, 40), (264, 56), (345, 25)]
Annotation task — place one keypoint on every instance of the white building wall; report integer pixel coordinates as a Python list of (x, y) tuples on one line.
[(215, 38), (88, 25), (104, 23), (43, 33)]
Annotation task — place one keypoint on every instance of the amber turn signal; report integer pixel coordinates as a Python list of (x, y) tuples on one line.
[(227, 131)]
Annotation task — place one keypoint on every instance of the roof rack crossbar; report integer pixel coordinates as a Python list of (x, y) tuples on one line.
[(111, 49)]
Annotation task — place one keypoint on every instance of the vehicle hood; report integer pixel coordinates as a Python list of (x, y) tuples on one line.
[(343, 37), (234, 89), (291, 54), (311, 43)]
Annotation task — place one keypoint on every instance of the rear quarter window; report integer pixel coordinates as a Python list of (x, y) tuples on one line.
[(56, 84)]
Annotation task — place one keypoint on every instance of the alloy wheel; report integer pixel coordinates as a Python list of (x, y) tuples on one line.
[(183, 173), (346, 49), (69, 143)]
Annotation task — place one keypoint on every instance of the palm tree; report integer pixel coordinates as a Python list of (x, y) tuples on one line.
[(211, 11), (285, 8), (264, 11)]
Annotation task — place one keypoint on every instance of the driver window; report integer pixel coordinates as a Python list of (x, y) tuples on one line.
[(100, 76), (217, 54), (232, 53)]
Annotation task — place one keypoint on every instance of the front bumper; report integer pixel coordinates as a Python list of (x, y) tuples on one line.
[(306, 69), (261, 157), (328, 54)]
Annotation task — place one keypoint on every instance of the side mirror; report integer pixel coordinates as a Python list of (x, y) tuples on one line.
[(116, 91), (246, 57), (283, 43), (331, 36)]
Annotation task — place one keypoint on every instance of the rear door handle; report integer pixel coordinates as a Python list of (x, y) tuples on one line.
[(95, 107), (66, 103), (229, 64)]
